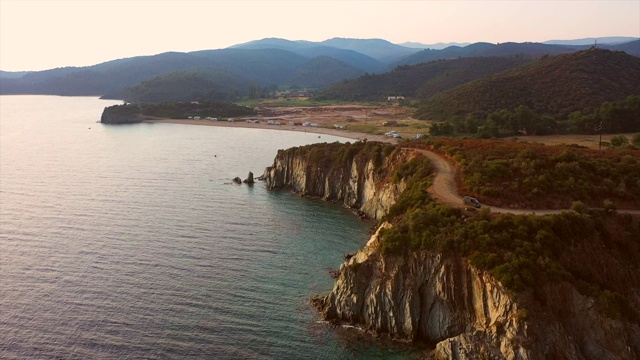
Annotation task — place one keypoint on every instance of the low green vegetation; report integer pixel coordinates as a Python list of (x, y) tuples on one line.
[(180, 110), (582, 92), (305, 102), (334, 158), (419, 81), (598, 252), (610, 117), (513, 174), (363, 128)]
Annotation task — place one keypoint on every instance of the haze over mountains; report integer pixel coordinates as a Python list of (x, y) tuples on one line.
[(268, 63)]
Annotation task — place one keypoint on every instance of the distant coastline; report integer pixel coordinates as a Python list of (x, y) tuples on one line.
[(241, 123)]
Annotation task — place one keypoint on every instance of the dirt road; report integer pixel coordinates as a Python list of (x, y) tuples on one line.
[(444, 189)]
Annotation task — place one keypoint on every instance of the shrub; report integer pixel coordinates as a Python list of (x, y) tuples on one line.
[(609, 206), (579, 207)]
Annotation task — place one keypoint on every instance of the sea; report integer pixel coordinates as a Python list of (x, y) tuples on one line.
[(132, 242)]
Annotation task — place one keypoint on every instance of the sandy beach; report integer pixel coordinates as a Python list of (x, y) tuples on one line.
[(326, 117), (287, 127), (355, 117)]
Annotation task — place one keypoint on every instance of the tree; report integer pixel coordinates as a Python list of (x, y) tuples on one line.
[(471, 123), (576, 122), (546, 125), (609, 206), (579, 207), (618, 141), (444, 128), (524, 117), (253, 90)]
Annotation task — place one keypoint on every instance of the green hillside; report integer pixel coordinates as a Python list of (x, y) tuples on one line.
[(422, 80), (551, 86), (322, 71), (528, 253), (132, 113), (184, 86), (261, 66)]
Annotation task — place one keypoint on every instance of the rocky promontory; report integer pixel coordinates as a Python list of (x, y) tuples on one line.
[(358, 175), (470, 285), (461, 312)]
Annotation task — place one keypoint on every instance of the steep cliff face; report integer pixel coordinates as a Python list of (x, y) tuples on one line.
[(440, 299), (359, 183), (464, 313), (426, 297)]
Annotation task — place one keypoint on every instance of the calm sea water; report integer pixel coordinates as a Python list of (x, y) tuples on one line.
[(131, 242)]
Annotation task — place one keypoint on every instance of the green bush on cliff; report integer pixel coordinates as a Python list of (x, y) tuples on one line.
[(535, 176), (524, 251), (124, 110), (336, 157), (182, 110)]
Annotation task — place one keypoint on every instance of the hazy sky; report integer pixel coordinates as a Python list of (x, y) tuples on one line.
[(37, 35)]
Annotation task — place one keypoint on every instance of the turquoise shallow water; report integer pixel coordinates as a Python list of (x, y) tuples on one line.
[(131, 242)]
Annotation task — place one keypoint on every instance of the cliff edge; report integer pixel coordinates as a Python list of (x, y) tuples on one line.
[(471, 285), (359, 175), (423, 297), (461, 312)]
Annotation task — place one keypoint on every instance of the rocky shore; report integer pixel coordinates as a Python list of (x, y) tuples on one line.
[(440, 299)]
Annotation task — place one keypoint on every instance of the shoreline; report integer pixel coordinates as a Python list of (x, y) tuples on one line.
[(264, 126)]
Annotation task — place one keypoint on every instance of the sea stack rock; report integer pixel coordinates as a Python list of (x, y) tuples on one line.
[(237, 180), (249, 180)]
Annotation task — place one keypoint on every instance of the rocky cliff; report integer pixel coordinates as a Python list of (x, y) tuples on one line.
[(430, 298), (358, 175), (464, 313), (441, 299)]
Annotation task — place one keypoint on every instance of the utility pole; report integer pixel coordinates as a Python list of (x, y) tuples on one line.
[(600, 128)]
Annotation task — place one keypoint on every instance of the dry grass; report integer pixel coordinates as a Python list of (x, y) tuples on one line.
[(590, 141)]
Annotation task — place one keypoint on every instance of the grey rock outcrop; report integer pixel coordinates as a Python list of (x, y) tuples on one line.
[(249, 180), (358, 185), (464, 313), (440, 299), (426, 297)]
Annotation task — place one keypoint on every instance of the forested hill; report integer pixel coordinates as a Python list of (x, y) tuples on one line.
[(533, 50), (420, 81), (553, 86), (263, 63), (184, 86), (261, 66)]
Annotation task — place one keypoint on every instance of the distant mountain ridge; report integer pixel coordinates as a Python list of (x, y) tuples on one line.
[(436, 46), (534, 50), (610, 40), (381, 50), (261, 63)]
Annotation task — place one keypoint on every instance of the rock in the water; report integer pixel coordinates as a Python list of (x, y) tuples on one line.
[(237, 180), (249, 180)]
